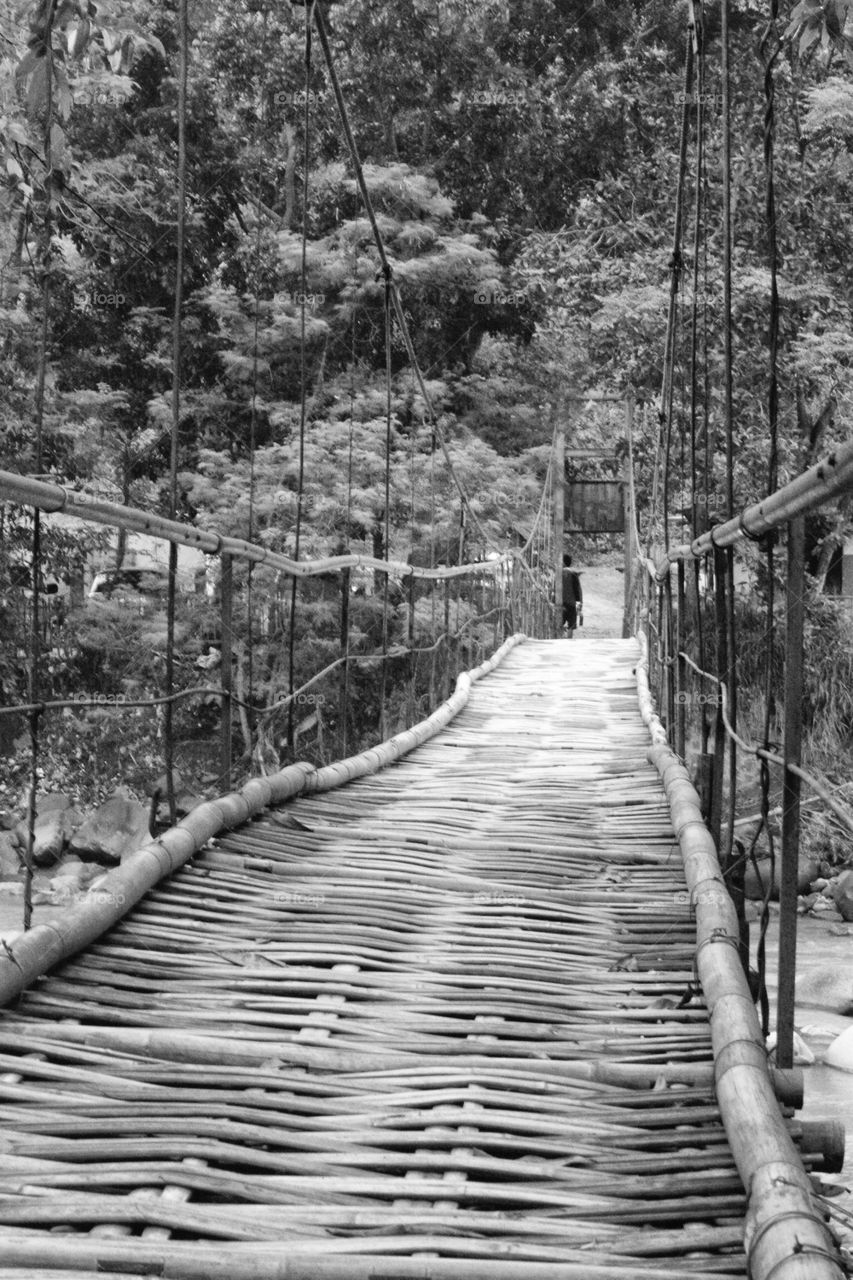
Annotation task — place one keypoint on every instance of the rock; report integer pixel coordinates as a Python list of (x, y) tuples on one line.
[(827, 989), (840, 1052), (70, 876), (53, 800), (803, 1056), (755, 884), (51, 833), (160, 784), (117, 827), (844, 895), (184, 803), (9, 862)]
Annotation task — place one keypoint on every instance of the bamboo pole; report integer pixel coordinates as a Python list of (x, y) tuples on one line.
[(827, 479), (55, 498), (178, 1260), (785, 1236)]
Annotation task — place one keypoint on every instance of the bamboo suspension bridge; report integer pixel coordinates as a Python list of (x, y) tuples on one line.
[(473, 1003)]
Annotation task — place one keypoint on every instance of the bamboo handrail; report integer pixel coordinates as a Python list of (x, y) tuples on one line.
[(827, 479), (55, 498), (786, 1239)]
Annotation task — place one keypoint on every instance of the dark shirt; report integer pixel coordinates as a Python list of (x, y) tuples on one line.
[(572, 591)]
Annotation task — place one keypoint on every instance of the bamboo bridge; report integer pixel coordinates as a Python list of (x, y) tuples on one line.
[(458, 1008)]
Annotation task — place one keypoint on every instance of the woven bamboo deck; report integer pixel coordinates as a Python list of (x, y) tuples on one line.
[(377, 1032)]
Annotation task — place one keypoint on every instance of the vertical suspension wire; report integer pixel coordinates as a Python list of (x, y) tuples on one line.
[(253, 404), (303, 375), (676, 268), (177, 354), (35, 645), (698, 236), (769, 49), (728, 669), (383, 681), (345, 585)]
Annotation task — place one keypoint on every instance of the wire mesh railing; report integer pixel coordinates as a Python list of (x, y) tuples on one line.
[(358, 616)]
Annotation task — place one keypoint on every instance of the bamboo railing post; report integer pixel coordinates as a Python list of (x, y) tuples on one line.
[(721, 633), (559, 524), (791, 791), (680, 669), (168, 710), (413, 660), (447, 641), (669, 657), (495, 606), (343, 649), (226, 638)]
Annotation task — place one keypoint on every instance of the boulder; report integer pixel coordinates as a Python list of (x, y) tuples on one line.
[(9, 861), (52, 831), (185, 802), (840, 1052), (844, 895), (755, 884), (117, 827), (827, 989), (53, 800)]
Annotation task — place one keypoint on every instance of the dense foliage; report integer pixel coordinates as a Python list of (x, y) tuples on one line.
[(522, 158)]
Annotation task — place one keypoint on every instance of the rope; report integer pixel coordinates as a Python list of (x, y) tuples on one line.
[(303, 371), (168, 723), (698, 237), (676, 266), (253, 404), (34, 683)]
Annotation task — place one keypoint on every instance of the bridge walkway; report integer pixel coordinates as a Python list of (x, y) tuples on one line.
[(439, 1022)]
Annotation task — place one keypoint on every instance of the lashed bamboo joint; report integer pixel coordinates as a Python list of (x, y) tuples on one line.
[(427, 1012)]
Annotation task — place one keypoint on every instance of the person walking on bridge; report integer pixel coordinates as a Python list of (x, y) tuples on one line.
[(572, 598)]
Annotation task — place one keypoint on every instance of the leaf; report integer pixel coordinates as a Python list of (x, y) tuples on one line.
[(77, 37), (37, 88), (64, 100), (26, 65), (57, 141)]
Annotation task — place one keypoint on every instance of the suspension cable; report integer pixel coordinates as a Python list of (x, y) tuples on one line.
[(303, 371), (177, 351), (676, 267)]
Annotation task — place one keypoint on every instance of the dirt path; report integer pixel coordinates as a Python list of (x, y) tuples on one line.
[(603, 595)]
